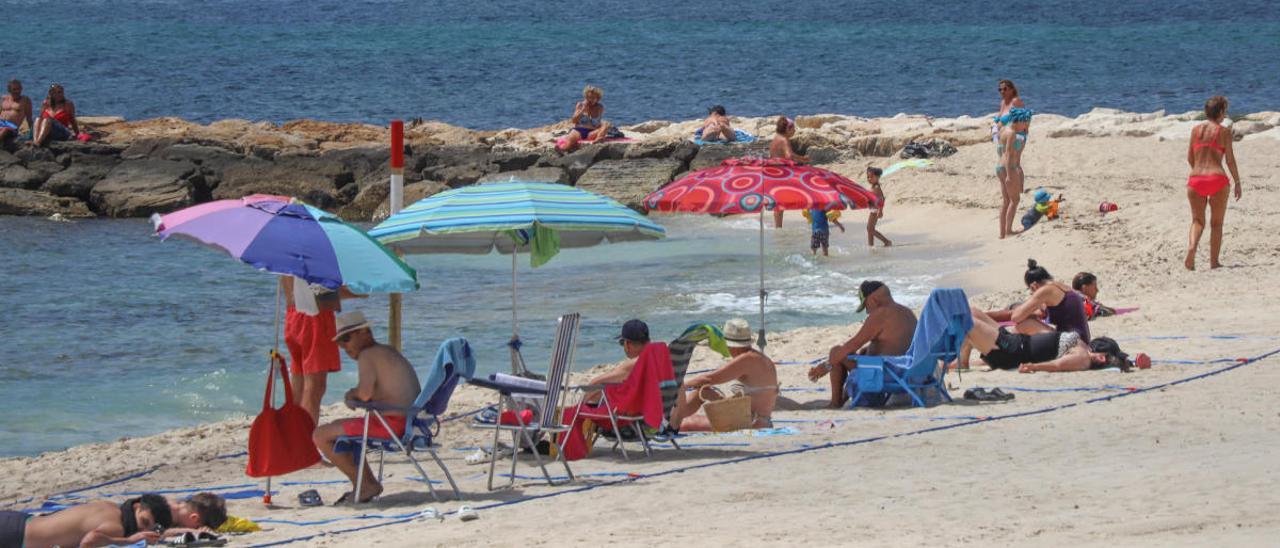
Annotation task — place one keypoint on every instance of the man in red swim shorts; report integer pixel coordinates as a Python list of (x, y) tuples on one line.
[(386, 377), (312, 352)]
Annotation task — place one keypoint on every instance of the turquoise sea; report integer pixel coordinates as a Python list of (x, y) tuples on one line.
[(112, 332)]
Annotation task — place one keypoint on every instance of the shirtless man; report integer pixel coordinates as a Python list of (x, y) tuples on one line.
[(385, 377), (97, 523), (748, 366), (14, 109), (780, 147), (634, 337), (887, 331)]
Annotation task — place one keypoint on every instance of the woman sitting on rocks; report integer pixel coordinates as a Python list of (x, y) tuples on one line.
[(588, 120), (57, 120)]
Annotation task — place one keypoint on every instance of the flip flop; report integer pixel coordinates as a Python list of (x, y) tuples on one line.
[(429, 514), (345, 498), (466, 513), (1001, 395), (310, 497)]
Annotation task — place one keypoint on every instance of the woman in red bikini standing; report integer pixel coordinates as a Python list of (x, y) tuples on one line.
[(1210, 143), (57, 118)]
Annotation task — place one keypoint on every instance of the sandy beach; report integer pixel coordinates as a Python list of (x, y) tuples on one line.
[(1179, 454)]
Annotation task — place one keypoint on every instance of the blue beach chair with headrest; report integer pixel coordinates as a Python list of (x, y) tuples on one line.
[(454, 360), (943, 325)]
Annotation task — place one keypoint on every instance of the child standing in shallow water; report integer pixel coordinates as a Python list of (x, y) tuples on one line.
[(821, 236), (873, 177)]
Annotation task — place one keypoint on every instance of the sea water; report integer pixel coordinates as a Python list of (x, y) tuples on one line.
[(113, 333), (522, 63)]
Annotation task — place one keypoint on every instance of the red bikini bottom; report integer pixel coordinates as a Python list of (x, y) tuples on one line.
[(1207, 185)]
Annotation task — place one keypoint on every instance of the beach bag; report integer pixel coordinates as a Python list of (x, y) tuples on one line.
[(280, 439), (726, 414)]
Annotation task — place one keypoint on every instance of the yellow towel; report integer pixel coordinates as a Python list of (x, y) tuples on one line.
[(238, 525)]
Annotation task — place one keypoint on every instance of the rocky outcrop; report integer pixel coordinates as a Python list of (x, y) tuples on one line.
[(629, 181), (135, 168), (16, 201), (138, 188)]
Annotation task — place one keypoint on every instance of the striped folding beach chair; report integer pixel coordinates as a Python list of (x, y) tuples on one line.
[(544, 400)]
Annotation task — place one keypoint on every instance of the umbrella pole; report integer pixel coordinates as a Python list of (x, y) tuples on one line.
[(275, 349), (760, 341)]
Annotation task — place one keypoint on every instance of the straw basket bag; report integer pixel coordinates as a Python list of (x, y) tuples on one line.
[(726, 414)]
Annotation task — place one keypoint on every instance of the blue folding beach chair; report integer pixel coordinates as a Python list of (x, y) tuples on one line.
[(454, 360), (943, 325)]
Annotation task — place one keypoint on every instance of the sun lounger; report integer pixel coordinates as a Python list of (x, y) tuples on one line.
[(943, 325)]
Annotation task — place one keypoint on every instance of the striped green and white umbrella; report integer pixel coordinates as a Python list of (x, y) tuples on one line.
[(513, 217), (507, 216)]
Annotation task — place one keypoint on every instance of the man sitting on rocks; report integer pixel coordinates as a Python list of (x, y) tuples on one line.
[(887, 331), (15, 108)]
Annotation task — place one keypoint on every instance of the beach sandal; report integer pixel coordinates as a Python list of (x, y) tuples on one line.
[(466, 513), (203, 538), (310, 497), (1001, 395), (430, 514), (346, 498), (488, 416)]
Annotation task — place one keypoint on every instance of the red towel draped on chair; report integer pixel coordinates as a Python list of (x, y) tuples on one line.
[(640, 394)]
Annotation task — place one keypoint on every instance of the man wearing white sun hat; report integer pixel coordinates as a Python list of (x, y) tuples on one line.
[(748, 366)]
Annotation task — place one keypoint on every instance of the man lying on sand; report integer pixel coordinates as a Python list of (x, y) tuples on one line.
[(103, 523), (385, 377), (754, 370), (886, 332)]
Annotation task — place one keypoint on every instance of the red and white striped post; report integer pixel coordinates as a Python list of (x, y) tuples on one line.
[(396, 201)]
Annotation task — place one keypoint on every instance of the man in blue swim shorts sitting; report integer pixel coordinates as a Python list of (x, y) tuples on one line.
[(14, 109)]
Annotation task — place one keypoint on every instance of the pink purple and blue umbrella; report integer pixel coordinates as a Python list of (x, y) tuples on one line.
[(284, 236)]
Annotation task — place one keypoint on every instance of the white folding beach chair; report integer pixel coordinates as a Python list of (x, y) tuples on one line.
[(544, 400)]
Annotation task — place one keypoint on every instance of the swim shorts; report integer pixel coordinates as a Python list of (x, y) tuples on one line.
[(13, 527), (820, 238), (355, 427), (310, 342)]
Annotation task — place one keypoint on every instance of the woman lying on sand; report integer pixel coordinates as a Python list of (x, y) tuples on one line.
[(1010, 136), (1210, 143)]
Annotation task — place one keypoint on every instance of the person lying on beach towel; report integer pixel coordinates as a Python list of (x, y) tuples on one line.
[(887, 331), (717, 127), (1087, 285), (748, 366), (147, 518), (1051, 351)]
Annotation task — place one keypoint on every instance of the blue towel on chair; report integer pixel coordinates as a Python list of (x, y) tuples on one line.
[(455, 351), (739, 137), (943, 304)]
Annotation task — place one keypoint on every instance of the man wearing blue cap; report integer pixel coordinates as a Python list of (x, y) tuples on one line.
[(634, 337)]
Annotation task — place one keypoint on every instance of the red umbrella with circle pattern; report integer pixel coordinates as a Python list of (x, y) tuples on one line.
[(749, 185)]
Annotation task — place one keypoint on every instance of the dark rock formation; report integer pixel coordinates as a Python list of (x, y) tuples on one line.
[(16, 201)]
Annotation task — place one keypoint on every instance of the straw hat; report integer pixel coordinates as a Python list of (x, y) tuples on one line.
[(349, 322), (737, 333)]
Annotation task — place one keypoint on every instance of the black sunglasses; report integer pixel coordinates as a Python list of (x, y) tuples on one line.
[(344, 338)]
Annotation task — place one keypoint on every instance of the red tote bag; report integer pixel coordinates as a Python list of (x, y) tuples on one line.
[(280, 439)]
